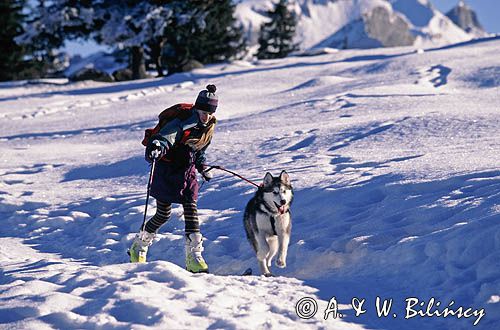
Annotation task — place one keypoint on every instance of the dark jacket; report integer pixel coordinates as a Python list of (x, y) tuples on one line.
[(174, 180)]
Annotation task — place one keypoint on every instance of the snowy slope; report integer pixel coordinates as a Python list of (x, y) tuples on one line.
[(327, 23), (394, 156)]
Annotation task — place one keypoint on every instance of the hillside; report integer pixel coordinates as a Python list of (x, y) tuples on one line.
[(394, 158)]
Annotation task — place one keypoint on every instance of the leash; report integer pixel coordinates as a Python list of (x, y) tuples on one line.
[(211, 167)]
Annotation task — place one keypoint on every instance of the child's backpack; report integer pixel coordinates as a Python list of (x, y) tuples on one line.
[(180, 111)]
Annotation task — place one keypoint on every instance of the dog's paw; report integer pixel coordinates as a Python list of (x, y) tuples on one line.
[(268, 274), (280, 263)]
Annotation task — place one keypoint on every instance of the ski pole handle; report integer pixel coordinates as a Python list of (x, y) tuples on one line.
[(157, 152)]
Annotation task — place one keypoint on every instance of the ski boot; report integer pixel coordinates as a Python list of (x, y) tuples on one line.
[(139, 248), (194, 260)]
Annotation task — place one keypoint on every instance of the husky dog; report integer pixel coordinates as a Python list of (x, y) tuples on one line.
[(268, 222)]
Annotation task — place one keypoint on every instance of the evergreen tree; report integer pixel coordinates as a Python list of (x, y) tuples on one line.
[(154, 51), (170, 50), (211, 34), (11, 56), (131, 25), (48, 25), (222, 37), (276, 36), (123, 24), (183, 30), (145, 26)]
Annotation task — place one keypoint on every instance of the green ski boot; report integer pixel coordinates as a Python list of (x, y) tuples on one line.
[(194, 260), (139, 248)]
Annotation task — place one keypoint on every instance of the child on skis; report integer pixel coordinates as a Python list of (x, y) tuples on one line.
[(179, 150)]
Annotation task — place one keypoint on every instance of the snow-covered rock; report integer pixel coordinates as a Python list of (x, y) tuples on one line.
[(99, 66), (379, 27), (91, 74), (464, 17), (360, 24), (101, 61), (429, 25)]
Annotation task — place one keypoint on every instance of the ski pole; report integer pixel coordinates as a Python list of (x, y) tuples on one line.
[(151, 172)]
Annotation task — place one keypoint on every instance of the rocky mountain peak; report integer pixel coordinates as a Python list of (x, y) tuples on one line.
[(465, 17)]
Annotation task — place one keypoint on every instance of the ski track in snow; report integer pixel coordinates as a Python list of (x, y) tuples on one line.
[(78, 102), (397, 194)]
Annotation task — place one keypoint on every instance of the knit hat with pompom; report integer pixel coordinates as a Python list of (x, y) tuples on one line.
[(207, 100)]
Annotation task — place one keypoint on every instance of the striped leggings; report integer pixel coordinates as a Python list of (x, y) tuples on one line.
[(163, 212)]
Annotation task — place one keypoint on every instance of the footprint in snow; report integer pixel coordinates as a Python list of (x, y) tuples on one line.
[(436, 75), (361, 134)]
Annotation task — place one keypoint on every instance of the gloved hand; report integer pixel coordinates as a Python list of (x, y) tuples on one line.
[(206, 174), (155, 150)]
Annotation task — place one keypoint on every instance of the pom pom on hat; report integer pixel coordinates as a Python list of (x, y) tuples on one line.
[(211, 88), (207, 100)]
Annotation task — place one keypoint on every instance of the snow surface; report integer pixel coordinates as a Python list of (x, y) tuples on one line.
[(393, 153)]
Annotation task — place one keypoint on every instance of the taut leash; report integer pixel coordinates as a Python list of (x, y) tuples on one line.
[(210, 167)]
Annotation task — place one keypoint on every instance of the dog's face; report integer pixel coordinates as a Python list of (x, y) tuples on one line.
[(278, 191)]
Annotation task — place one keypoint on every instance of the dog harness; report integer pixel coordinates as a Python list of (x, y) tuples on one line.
[(273, 219), (273, 224)]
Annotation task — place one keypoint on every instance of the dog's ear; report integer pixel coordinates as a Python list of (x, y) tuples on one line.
[(268, 179), (285, 178)]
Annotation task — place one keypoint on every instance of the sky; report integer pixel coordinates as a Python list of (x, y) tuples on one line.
[(83, 48), (487, 11)]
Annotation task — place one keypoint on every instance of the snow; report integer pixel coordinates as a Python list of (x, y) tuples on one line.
[(394, 158), (101, 61), (319, 21)]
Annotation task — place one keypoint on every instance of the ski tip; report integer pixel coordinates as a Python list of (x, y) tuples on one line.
[(247, 272)]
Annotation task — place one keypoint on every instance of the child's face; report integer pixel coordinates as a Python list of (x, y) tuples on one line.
[(204, 116)]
